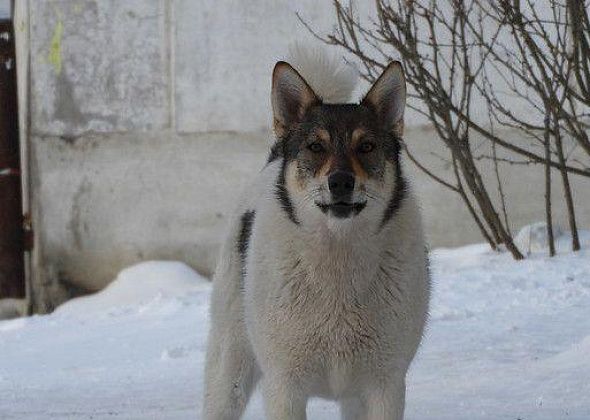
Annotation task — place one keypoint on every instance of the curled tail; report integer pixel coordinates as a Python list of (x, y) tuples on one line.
[(329, 76)]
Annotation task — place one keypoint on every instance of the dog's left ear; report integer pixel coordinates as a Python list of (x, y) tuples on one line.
[(291, 97), (387, 97)]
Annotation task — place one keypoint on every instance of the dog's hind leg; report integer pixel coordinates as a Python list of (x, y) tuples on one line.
[(231, 375)]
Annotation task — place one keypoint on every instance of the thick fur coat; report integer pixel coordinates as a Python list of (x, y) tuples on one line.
[(315, 294)]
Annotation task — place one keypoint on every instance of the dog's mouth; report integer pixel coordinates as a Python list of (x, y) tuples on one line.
[(342, 209)]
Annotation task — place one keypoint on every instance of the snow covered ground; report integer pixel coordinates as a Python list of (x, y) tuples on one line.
[(506, 340)]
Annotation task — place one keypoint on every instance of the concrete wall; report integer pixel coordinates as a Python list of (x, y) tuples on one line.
[(141, 65), (147, 117), (4, 9)]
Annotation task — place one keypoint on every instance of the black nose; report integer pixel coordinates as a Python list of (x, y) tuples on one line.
[(341, 185)]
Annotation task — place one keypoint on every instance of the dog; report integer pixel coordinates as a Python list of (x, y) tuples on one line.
[(322, 287)]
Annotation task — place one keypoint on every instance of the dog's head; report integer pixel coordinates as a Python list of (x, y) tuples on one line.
[(340, 161)]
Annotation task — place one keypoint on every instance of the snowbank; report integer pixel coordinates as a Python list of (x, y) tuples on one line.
[(533, 238), (136, 287)]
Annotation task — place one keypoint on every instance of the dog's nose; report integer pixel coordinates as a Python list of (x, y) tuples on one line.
[(341, 185)]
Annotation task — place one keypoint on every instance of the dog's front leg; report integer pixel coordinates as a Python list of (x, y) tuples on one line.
[(353, 409), (387, 401), (283, 399)]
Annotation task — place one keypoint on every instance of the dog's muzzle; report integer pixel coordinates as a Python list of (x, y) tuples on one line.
[(341, 186)]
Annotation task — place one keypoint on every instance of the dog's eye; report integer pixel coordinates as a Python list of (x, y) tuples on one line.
[(366, 147), (316, 147)]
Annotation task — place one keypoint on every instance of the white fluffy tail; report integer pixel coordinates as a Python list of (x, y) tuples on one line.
[(329, 76)]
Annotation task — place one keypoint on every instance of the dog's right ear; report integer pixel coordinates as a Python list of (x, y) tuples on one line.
[(291, 97)]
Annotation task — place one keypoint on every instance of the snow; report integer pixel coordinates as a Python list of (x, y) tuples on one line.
[(138, 286), (506, 340)]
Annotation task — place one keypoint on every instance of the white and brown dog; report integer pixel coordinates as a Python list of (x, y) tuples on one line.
[(322, 286)]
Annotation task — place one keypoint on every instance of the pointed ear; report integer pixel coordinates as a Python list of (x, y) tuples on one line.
[(291, 97), (387, 97)]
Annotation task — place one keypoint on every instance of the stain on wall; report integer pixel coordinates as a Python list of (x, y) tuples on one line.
[(54, 56)]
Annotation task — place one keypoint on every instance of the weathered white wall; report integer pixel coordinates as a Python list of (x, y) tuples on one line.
[(147, 118), (4, 9), (110, 200), (225, 52), (117, 66)]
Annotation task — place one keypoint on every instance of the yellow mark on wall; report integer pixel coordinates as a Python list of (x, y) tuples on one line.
[(55, 47)]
